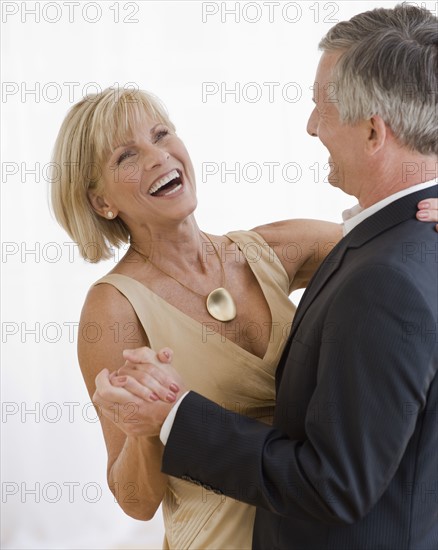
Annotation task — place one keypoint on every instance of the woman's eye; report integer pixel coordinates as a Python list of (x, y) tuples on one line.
[(160, 134), (124, 156)]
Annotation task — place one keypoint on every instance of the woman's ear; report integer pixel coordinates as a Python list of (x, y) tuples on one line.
[(101, 206)]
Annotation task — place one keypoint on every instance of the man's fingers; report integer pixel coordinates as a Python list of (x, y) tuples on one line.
[(107, 391), (103, 374)]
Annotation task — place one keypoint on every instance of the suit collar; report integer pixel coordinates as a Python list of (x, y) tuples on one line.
[(394, 213), (354, 216)]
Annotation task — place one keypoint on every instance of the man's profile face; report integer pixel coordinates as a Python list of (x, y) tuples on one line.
[(343, 141)]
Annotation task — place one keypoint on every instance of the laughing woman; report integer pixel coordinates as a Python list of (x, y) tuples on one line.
[(219, 301)]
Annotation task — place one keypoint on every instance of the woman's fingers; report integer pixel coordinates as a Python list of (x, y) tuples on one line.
[(146, 388), (165, 355), (156, 365), (428, 210), (148, 375), (133, 400), (147, 382)]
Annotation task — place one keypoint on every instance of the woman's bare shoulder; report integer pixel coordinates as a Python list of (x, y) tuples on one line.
[(107, 326)]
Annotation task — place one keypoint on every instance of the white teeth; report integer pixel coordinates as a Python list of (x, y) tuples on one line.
[(162, 181), (177, 188)]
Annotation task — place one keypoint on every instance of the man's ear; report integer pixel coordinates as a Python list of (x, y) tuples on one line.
[(101, 205), (377, 134)]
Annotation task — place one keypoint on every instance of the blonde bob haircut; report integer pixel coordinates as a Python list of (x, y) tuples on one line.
[(90, 131)]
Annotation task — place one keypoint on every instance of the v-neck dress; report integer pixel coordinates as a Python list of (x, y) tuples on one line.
[(218, 368)]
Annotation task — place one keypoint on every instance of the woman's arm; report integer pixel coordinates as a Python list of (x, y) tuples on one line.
[(302, 245), (134, 461)]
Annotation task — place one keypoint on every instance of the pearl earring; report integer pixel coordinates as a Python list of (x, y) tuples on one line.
[(109, 214)]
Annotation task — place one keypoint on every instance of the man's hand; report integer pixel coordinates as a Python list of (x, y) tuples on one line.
[(139, 396)]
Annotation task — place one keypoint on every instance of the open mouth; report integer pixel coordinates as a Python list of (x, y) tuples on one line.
[(167, 185)]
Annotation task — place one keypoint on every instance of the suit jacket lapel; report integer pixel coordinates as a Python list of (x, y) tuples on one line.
[(320, 278)]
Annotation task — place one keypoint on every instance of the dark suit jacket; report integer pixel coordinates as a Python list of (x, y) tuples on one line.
[(352, 459)]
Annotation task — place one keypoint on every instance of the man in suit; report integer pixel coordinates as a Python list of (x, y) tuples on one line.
[(351, 461)]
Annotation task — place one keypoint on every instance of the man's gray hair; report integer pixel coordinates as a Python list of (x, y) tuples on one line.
[(389, 68)]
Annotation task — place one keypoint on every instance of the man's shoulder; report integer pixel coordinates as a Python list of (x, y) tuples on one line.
[(405, 252), (408, 242)]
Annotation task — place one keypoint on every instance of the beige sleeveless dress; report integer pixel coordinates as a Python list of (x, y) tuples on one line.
[(219, 369)]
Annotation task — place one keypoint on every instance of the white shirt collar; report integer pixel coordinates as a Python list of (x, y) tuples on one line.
[(354, 216)]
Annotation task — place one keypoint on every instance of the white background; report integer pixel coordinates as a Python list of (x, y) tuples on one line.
[(172, 49)]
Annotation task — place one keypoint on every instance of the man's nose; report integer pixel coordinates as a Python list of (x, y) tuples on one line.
[(312, 123)]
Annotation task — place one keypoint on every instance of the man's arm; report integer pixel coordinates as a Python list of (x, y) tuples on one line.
[(371, 370)]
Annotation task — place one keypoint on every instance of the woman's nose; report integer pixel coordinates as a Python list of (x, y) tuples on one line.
[(154, 156)]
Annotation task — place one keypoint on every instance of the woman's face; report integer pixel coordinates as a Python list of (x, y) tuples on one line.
[(149, 179)]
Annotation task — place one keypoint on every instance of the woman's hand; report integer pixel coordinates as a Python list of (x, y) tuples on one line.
[(428, 211), (148, 375), (139, 396)]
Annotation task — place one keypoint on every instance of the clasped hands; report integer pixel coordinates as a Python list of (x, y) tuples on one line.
[(140, 394)]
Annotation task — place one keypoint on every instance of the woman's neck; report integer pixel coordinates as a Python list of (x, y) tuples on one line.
[(183, 246)]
